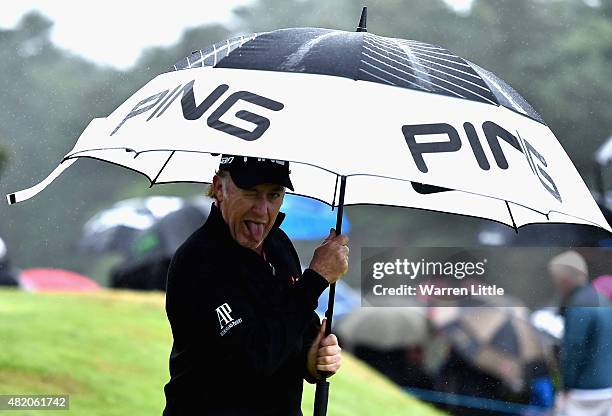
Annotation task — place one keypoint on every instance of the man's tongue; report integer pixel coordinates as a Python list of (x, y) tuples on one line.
[(256, 230)]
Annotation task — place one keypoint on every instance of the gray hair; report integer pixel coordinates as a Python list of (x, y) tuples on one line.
[(224, 176)]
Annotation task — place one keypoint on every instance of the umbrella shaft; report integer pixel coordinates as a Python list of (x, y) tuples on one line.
[(322, 390), (332, 288)]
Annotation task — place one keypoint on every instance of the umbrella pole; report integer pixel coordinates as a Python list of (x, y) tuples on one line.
[(322, 390)]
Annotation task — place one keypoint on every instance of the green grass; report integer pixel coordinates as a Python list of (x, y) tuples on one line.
[(109, 352)]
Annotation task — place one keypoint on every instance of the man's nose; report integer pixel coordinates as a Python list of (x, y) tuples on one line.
[(261, 206)]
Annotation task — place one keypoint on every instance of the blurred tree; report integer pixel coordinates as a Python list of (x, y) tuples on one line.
[(156, 60), (49, 97), (3, 159)]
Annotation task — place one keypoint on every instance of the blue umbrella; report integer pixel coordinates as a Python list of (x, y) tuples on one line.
[(308, 219), (346, 300)]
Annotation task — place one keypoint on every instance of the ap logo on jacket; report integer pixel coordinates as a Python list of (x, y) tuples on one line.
[(226, 322)]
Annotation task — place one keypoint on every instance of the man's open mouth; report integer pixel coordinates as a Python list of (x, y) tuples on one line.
[(256, 229)]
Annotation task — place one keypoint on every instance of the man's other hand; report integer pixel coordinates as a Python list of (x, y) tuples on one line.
[(324, 354)]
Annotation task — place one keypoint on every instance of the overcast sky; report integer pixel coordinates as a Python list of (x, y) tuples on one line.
[(79, 25)]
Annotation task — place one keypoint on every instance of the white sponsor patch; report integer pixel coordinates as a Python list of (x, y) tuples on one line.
[(226, 322)]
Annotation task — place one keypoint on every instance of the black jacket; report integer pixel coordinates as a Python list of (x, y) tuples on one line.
[(241, 326)]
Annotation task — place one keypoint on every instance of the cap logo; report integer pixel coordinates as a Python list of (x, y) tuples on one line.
[(227, 159), (278, 162)]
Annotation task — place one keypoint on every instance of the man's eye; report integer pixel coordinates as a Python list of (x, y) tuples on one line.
[(275, 195)]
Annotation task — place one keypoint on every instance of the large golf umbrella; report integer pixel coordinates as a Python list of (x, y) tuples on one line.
[(364, 119)]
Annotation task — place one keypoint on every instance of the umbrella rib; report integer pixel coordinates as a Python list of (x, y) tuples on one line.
[(512, 217), (509, 97), (335, 192), (162, 168)]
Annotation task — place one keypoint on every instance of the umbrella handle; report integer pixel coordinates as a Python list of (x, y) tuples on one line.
[(321, 398)]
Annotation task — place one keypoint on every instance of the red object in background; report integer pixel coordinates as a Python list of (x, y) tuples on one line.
[(603, 284), (55, 280)]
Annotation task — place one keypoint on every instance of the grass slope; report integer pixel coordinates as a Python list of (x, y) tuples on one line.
[(109, 351)]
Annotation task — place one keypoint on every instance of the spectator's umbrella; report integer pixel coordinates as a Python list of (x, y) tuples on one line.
[(549, 323), (384, 328), (498, 341), (364, 119), (115, 228), (147, 259), (56, 280), (346, 300), (308, 219)]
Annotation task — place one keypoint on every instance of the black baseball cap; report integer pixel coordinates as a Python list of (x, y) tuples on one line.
[(247, 172)]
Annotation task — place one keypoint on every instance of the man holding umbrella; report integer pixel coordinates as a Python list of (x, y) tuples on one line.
[(241, 311)]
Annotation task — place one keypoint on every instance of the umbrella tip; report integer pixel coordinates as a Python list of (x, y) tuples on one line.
[(363, 20)]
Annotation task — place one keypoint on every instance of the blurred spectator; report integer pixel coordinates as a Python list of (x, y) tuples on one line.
[(459, 376), (390, 339), (586, 349), (403, 366), (8, 275)]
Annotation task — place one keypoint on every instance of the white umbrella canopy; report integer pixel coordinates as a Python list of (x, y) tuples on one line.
[(494, 163)]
